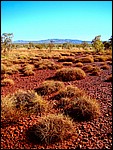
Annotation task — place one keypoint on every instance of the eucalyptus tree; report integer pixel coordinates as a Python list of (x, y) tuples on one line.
[(6, 42), (97, 43)]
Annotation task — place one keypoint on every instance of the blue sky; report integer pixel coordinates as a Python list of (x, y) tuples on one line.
[(40, 20)]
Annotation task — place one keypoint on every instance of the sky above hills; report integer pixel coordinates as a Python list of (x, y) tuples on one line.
[(40, 20)]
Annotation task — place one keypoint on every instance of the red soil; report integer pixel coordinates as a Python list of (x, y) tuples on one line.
[(95, 134)]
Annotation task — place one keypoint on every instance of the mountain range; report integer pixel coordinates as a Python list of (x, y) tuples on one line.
[(55, 41)]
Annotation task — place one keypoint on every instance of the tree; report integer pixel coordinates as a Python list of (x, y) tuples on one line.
[(6, 41), (97, 44), (110, 40), (51, 45)]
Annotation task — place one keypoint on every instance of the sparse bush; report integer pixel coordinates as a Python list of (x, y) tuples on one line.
[(22, 103), (48, 87), (70, 74), (50, 129), (83, 108)]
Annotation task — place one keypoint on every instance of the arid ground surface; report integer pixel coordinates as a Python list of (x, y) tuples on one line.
[(94, 134)]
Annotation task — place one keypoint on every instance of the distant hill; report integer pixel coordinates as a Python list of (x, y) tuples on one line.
[(57, 41)]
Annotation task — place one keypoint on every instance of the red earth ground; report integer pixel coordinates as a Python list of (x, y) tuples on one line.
[(95, 134)]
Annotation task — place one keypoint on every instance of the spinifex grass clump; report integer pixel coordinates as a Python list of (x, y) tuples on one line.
[(70, 74), (66, 59), (105, 67), (49, 87), (47, 64), (7, 81), (67, 63), (87, 59), (109, 78), (28, 69), (95, 71), (82, 108), (3, 68), (79, 64), (69, 91), (50, 129), (88, 68), (22, 103)]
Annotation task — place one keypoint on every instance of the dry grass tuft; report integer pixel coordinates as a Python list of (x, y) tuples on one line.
[(87, 59), (51, 129), (67, 63), (70, 74), (28, 69), (105, 67), (66, 59), (68, 92), (22, 103), (100, 58), (88, 68), (82, 108), (96, 71), (7, 81), (47, 64), (109, 78), (79, 64), (49, 87), (3, 68)]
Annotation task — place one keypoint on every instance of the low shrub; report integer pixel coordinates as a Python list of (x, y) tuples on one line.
[(50, 129), (49, 87), (70, 74)]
